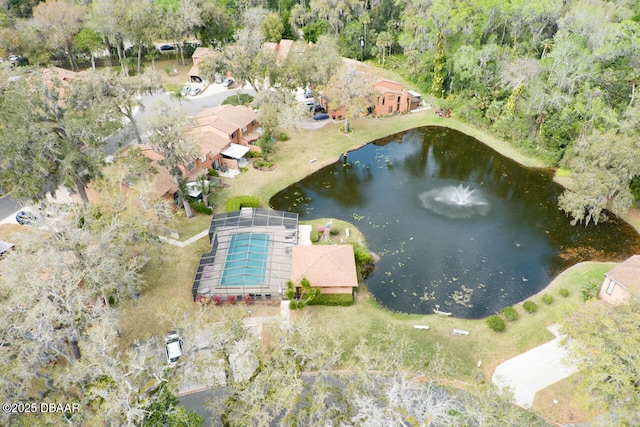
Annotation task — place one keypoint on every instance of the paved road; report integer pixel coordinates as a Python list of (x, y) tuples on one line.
[(8, 207)]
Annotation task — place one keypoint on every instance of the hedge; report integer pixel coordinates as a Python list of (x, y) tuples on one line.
[(238, 202), (563, 292), (547, 299), (332, 299), (201, 208)]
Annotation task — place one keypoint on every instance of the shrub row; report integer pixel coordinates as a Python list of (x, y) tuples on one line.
[(201, 208), (332, 300), (238, 202)]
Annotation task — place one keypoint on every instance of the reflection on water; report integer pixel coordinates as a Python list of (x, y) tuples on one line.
[(455, 223)]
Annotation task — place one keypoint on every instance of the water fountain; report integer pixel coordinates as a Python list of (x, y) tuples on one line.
[(506, 242), (455, 201)]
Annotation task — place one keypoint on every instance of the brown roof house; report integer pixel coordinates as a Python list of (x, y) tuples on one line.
[(621, 282), (226, 134), (392, 98), (199, 55), (281, 49), (332, 268)]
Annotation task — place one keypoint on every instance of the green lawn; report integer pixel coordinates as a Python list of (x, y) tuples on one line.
[(189, 227), (327, 144), (365, 318)]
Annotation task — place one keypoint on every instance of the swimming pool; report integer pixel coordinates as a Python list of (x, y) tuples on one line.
[(246, 260)]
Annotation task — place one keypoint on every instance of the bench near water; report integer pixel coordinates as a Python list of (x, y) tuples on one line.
[(421, 326), (460, 332)]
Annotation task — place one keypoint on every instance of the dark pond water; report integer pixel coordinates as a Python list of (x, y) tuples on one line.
[(455, 223)]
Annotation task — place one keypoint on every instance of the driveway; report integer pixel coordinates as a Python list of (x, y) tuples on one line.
[(8, 210), (534, 370)]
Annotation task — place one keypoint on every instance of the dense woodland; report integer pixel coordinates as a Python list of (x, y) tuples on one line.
[(556, 78)]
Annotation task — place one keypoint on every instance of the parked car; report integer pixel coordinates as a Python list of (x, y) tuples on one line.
[(319, 109), (185, 90), (173, 348), (321, 116), (308, 93), (26, 218), (227, 82), (195, 90), (166, 48)]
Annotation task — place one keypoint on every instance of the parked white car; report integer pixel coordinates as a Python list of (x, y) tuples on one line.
[(173, 347)]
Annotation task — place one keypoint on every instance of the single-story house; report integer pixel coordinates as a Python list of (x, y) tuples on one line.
[(621, 282), (331, 268)]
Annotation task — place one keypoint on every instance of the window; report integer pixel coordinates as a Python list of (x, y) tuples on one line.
[(203, 158), (253, 122), (392, 97), (390, 109), (244, 129), (233, 135), (190, 166), (611, 287), (383, 100)]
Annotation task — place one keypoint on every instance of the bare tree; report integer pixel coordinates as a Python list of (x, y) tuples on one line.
[(58, 21), (352, 90), (169, 137)]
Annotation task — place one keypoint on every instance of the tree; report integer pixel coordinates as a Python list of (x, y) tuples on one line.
[(365, 20), (604, 341), (272, 28), (166, 410), (169, 137), (58, 21), (128, 92), (383, 42), (438, 68), (181, 19), (352, 90), (105, 18), (141, 22), (88, 41), (604, 165), (55, 134)]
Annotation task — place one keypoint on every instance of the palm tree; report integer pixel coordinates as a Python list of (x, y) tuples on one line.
[(384, 41), (205, 188), (365, 20)]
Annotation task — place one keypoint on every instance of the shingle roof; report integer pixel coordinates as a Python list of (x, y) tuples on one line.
[(627, 273), (324, 265)]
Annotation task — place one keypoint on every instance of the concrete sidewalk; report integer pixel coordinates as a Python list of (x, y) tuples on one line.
[(530, 372)]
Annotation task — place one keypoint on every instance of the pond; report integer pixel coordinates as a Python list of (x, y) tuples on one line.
[(457, 226)]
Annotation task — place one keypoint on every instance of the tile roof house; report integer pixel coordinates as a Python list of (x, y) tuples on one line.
[(199, 55), (392, 98), (621, 282), (332, 268), (226, 133), (281, 50)]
